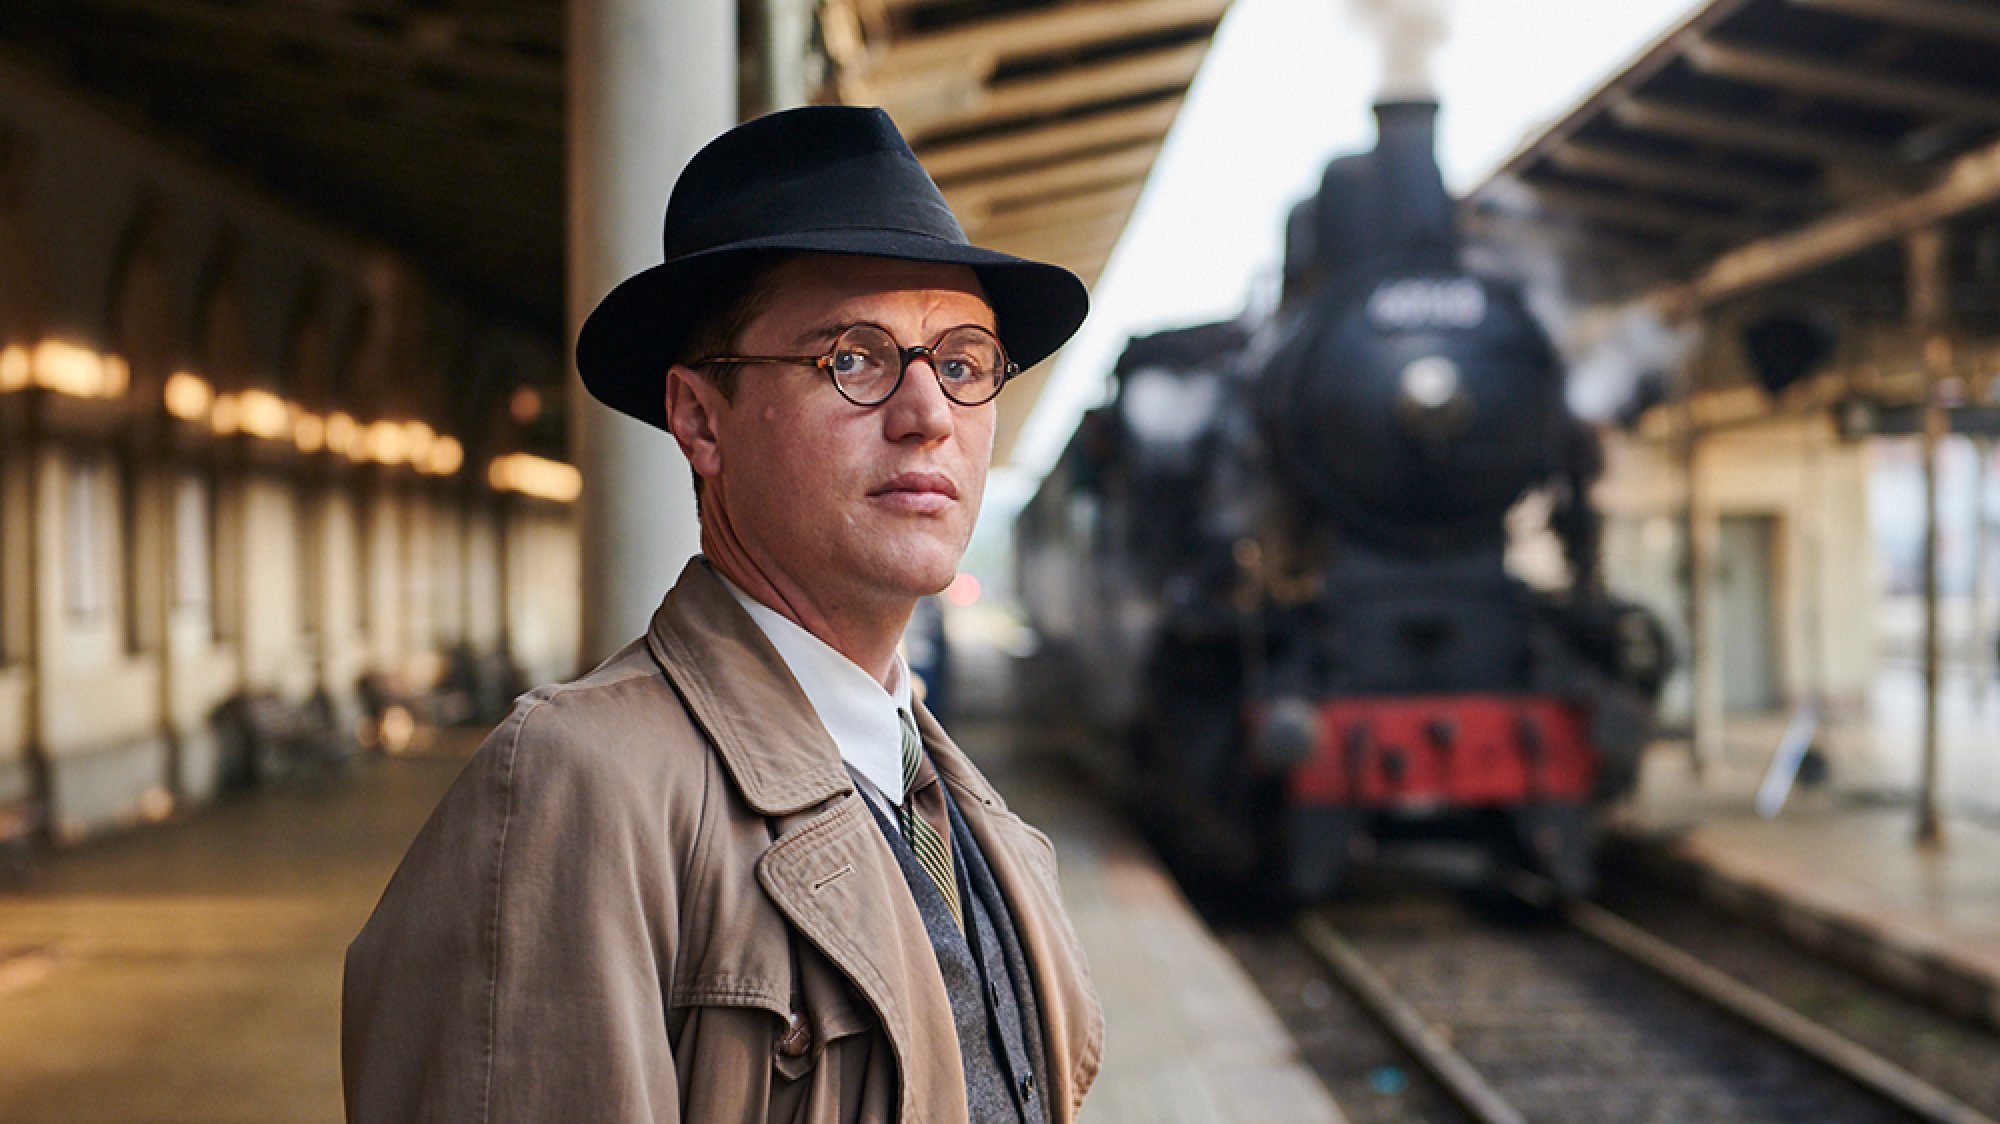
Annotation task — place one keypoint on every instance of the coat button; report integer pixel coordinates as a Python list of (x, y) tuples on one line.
[(797, 1038)]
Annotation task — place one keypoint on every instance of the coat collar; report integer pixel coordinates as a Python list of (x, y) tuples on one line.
[(741, 694)]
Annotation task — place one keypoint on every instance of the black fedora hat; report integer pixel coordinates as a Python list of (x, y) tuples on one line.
[(819, 179)]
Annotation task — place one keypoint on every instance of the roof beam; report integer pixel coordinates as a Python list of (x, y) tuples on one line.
[(1965, 21), (1064, 242), (533, 21), (1083, 260), (1642, 214), (1106, 202), (1653, 171), (268, 26), (1490, 221), (431, 137), (989, 198), (1715, 127), (1047, 31), (1046, 143), (1973, 181), (1170, 68), (441, 109), (1065, 239), (1841, 81)]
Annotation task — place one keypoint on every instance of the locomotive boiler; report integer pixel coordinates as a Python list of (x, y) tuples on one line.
[(1274, 565)]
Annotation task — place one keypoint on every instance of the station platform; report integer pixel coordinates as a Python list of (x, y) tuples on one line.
[(1188, 1038), (190, 972), (1839, 866)]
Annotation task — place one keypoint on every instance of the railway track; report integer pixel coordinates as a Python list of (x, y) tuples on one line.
[(1524, 1011)]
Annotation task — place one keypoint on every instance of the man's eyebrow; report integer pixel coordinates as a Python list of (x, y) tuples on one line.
[(823, 333)]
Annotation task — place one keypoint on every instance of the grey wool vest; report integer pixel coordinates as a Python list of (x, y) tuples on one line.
[(986, 975)]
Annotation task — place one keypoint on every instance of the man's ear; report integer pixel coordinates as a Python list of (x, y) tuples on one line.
[(693, 403)]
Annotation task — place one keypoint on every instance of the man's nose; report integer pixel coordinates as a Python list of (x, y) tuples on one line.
[(919, 407)]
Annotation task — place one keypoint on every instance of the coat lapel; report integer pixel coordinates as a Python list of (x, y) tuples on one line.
[(837, 881), (828, 869)]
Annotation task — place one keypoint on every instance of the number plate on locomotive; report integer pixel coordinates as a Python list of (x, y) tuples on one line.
[(1419, 305)]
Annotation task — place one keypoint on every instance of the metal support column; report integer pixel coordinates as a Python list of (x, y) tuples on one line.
[(1927, 312), (1979, 641), (649, 83), (1698, 553)]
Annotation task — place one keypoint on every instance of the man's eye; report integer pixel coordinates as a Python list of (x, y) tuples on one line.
[(849, 362), (958, 369)]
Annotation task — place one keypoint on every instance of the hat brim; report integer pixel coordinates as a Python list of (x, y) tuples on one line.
[(630, 339)]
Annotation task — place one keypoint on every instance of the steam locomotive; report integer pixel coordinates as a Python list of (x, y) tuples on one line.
[(1274, 565)]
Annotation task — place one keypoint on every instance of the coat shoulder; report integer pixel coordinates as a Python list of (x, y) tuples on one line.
[(539, 903), (619, 729)]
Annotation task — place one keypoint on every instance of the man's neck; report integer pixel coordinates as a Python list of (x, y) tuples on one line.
[(869, 638)]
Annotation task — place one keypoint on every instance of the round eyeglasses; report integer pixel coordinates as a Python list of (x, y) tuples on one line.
[(866, 363)]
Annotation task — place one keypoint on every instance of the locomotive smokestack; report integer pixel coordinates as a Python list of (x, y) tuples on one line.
[(1406, 155), (1388, 205)]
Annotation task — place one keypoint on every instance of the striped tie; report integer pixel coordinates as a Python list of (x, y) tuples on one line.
[(923, 838)]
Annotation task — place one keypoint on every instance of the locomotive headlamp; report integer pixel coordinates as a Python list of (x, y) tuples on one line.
[(1431, 402), (1430, 383)]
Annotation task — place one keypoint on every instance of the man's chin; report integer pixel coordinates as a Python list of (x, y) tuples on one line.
[(922, 578)]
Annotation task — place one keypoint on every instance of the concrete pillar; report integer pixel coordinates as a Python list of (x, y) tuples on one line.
[(649, 84)]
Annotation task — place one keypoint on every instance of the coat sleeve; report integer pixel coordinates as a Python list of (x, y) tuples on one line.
[(513, 968)]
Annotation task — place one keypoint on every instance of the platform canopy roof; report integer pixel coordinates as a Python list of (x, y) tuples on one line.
[(1767, 142), (437, 125)]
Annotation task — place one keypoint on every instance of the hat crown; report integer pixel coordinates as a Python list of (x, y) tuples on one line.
[(814, 168)]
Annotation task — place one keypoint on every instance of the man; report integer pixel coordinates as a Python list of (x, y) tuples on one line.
[(735, 873)]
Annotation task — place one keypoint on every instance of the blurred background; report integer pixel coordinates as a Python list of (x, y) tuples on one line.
[(298, 491)]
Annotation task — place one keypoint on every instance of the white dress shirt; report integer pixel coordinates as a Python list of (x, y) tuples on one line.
[(858, 714)]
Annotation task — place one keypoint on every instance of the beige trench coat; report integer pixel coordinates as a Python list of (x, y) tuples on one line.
[(639, 876)]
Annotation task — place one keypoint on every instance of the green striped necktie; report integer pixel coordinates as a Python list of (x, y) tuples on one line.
[(920, 785)]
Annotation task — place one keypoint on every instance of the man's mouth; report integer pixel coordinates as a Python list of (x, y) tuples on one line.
[(918, 484), (917, 493)]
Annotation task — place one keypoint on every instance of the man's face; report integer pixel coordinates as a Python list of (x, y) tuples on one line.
[(851, 506)]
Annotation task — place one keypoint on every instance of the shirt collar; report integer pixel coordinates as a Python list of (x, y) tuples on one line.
[(858, 714)]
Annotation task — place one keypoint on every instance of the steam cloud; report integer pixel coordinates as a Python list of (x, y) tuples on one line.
[(1411, 32), (1628, 359)]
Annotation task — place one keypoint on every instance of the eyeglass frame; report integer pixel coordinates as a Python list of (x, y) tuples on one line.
[(824, 363)]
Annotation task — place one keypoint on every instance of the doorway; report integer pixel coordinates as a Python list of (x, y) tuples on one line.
[(1745, 623)]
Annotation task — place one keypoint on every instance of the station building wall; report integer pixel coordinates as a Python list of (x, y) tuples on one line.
[(238, 452), (1793, 475)]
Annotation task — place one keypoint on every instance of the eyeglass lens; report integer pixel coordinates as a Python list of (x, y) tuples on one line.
[(866, 364)]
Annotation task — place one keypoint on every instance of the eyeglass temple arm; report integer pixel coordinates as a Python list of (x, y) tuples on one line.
[(738, 360)]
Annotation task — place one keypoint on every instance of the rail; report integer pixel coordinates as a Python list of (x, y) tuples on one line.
[(1876, 1076)]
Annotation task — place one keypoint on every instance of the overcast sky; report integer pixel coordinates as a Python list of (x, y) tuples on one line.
[(1289, 85)]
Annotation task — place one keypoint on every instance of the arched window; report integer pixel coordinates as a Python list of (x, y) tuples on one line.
[(140, 326), (306, 377), (222, 330), (221, 354), (140, 316)]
